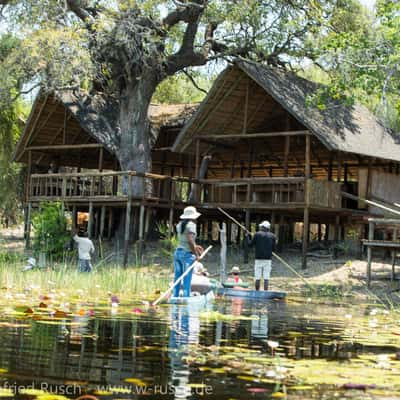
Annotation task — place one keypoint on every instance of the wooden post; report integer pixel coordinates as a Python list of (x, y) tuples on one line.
[(102, 221), (223, 239), (28, 225), (28, 176), (127, 222), (330, 167), (319, 232), (306, 214), (171, 211), (101, 156), (337, 231), (306, 233), (394, 252), (369, 179), (90, 221), (286, 156), (141, 229), (147, 223), (339, 168), (197, 167), (110, 222), (246, 247), (369, 252), (74, 218)]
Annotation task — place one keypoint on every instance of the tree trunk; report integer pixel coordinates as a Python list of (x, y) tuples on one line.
[(136, 137)]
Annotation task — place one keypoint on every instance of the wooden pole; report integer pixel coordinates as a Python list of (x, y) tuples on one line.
[(339, 167), (74, 218), (102, 221), (127, 222), (246, 246), (223, 240), (337, 230), (28, 176), (306, 214), (330, 167), (369, 252), (306, 232), (28, 225), (110, 222), (141, 229), (64, 139), (286, 156), (90, 221), (197, 167)]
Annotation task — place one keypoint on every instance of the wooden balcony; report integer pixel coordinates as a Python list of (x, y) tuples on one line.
[(233, 193)]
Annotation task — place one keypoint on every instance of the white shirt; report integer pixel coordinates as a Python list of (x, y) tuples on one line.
[(85, 247)]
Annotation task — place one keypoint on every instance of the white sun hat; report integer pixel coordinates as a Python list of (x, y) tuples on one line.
[(190, 213), (265, 224)]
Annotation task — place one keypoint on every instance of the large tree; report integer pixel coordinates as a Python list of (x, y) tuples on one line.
[(112, 55)]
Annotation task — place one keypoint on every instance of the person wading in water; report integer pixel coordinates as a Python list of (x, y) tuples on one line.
[(187, 251)]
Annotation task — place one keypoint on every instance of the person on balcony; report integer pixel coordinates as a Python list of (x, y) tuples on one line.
[(187, 251), (85, 250), (264, 242)]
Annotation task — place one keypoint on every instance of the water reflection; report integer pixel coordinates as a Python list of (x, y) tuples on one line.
[(156, 346)]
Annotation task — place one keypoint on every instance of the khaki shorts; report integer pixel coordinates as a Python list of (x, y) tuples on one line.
[(262, 269)]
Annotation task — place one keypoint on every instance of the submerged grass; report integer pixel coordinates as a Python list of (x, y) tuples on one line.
[(128, 284)]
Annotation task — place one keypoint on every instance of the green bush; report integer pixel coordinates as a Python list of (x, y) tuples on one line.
[(50, 231)]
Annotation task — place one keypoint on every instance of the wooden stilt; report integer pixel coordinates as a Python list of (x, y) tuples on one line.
[(110, 222), (306, 215), (369, 252), (246, 247), (127, 232), (171, 223), (147, 222), (28, 225), (319, 232), (74, 218), (306, 231), (337, 233), (223, 239), (90, 221), (102, 221), (141, 229)]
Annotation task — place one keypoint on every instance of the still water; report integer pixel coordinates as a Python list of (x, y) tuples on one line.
[(234, 349)]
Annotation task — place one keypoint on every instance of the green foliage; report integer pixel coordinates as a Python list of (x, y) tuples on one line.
[(11, 122), (362, 56), (50, 228), (178, 89)]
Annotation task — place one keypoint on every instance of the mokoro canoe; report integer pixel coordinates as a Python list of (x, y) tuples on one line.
[(201, 299), (251, 294)]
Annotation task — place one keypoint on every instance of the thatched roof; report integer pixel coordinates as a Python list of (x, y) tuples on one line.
[(340, 127), (45, 126)]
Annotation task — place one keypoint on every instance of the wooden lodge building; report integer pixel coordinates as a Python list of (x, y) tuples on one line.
[(254, 147)]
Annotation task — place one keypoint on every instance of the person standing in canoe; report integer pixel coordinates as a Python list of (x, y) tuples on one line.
[(264, 243), (187, 251)]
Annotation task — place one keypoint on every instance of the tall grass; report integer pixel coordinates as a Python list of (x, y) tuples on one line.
[(128, 284)]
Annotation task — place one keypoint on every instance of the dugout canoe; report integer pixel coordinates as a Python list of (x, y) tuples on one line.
[(251, 294), (198, 300)]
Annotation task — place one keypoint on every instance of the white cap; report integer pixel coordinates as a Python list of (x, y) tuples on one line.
[(265, 224), (31, 261), (190, 213)]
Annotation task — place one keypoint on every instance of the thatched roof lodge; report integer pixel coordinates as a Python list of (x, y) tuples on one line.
[(255, 145)]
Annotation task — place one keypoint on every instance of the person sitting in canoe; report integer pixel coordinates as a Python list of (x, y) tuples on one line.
[(264, 243), (201, 282), (235, 280), (187, 251)]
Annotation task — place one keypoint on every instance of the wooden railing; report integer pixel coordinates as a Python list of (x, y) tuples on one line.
[(107, 185), (253, 191), (245, 192)]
